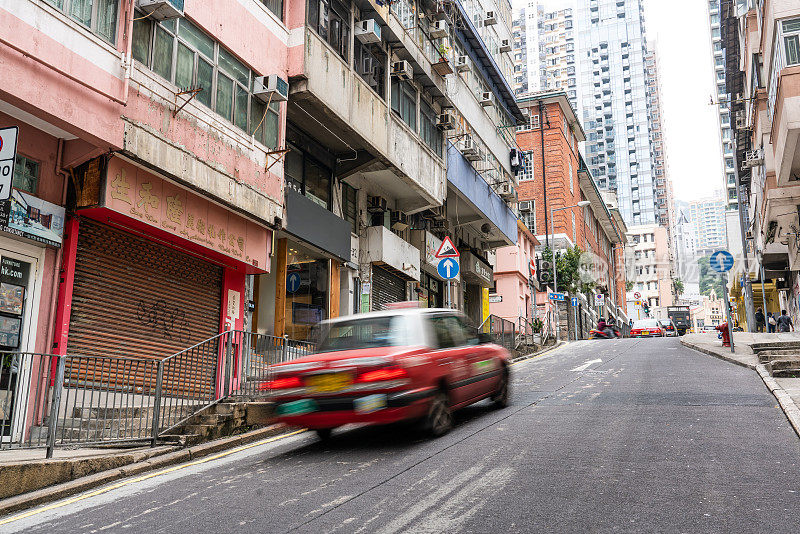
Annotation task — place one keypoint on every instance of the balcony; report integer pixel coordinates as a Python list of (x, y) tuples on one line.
[(380, 245)]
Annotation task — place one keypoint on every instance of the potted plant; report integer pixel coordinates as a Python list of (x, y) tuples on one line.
[(537, 325), (442, 67)]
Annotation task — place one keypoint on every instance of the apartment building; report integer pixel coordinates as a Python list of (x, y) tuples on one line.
[(544, 51), (614, 97), (555, 181), (762, 68), (722, 101), (665, 209), (707, 216), (648, 269)]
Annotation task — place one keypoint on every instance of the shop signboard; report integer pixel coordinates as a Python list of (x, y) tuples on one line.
[(31, 217), (141, 195), (8, 153), (474, 269)]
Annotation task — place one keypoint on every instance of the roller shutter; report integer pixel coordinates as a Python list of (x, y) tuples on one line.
[(137, 298), (386, 287)]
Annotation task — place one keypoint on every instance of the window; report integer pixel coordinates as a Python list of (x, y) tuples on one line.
[(404, 102), (183, 54), (370, 64), (100, 16), (26, 174), (308, 176), (570, 178), (791, 41), (526, 167), (529, 219), (276, 6), (331, 20), (447, 331), (350, 206), (431, 135)]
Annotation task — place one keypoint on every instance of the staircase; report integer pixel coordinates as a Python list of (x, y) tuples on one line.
[(225, 418), (781, 359)]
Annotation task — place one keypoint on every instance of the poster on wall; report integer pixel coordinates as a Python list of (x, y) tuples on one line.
[(13, 281), (33, 218)]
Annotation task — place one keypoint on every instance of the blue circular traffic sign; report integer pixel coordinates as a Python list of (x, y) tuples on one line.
[(721, 261), (293, 282), (448, 268)]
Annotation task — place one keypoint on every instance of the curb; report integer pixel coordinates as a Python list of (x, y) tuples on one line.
[(65, 489), (710, 352), (784, 399), (538, 353)]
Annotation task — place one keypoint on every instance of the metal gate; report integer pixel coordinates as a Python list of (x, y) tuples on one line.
[(134, 298), (386, 288)]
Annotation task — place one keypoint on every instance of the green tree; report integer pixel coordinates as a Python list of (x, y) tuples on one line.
[(710, 280), (677, 285), (568, 269)]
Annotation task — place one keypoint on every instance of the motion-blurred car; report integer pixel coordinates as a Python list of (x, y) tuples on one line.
[(669, 327), (388, 366), (647, 328)]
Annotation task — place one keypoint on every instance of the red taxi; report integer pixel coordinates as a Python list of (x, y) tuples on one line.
[(647, 328), (388, 366)]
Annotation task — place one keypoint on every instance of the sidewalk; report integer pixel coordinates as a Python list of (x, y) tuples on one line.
[(786, 390)]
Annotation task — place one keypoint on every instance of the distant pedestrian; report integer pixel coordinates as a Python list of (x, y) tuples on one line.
[(760, 320), (785, 323), (772, 323)]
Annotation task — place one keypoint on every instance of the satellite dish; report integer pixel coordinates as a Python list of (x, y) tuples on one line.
[(486, 228)]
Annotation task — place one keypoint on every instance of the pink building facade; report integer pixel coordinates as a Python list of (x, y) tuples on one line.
[(512, 298)]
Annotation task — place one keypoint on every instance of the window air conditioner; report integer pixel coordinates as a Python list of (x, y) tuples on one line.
[(368, 31), (486, 99), (468, 147), (446, 121), (525, 205), (505, 45), (462, 63), (399, 221), (402, 70), (439, 29), (271, 88), (753, 158), (506, 191), (376, 204), (490, 19), (161, 9)]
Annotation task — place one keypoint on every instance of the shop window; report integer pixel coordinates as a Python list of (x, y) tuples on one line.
[(308, 176), (404, 102), (307, 305), (100, 16), (331, 20), (350, 206), (183, 54), (26, 174), (431, 135)]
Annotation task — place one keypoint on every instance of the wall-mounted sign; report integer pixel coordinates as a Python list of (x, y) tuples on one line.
[(143, 196), (8, 154), (495, 298), (33, 218), (475, 270)]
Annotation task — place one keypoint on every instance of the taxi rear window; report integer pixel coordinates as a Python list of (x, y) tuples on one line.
[(365, 334)]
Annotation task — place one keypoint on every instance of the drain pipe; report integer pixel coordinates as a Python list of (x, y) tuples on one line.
[(59, 171)]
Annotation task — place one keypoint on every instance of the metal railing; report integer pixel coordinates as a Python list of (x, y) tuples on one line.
[(503, 331), (49, 400)]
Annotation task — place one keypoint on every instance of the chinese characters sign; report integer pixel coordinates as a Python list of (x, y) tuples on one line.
[(139, 194)]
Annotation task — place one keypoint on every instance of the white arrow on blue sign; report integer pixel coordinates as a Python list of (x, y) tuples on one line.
[(448, 268), (293, 282), (721, 261), (575, 301)]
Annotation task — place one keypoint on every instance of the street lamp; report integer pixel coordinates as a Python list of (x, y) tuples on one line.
[(581, 204)]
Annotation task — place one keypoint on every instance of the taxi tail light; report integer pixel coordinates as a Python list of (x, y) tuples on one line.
[(380, 375), (288, 382)]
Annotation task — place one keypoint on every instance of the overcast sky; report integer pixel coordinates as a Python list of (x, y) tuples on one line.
[(679, 29)]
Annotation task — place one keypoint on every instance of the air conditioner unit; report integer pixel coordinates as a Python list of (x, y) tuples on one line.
[(368, 31), (446, 121), (486, 99), (468, 147), (439, 29), (753, 158), (505, 45), (376, 204), (525, 205), (741, 122), (506, 191), (439, 213), (490, 19), (271, 88), (462, 63), (439, 226), (161, 9), (402, 70), (399, 221)]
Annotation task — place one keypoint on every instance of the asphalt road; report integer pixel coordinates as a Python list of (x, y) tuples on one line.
[(654, 438)]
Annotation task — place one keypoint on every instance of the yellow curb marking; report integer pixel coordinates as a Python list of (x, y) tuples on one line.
[(146, 477), (548, 351)]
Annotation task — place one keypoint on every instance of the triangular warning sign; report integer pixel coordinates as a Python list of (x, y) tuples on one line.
[(447, 249)]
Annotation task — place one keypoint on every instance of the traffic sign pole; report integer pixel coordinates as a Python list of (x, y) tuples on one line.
[(728, 313)]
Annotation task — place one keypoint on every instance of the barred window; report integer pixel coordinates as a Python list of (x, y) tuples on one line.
[(100, 16), (526, 167)]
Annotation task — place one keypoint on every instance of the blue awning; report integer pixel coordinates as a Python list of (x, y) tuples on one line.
[(480, 54)]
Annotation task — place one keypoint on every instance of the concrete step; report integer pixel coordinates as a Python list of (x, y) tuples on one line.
[(184, 440), (214, 418), (234, 409), (776, 345)]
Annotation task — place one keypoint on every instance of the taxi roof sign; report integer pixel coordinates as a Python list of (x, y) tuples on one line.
[(447, 249)]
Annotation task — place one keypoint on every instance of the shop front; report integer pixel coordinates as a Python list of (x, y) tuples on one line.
[(151, 268), (478, 275)]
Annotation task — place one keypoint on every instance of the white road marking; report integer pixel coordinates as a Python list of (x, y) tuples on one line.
[(587, 365)]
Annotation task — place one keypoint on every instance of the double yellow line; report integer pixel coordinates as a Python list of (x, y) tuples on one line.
[(124, 483)]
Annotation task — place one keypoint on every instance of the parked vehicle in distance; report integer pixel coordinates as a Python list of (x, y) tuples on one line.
[(669, 327), (388, 366), (647, 328), (681, 317), (597, 334)]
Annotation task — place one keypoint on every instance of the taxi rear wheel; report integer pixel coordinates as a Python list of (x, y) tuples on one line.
[(439, 419), (324, 434), (500, 395)]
